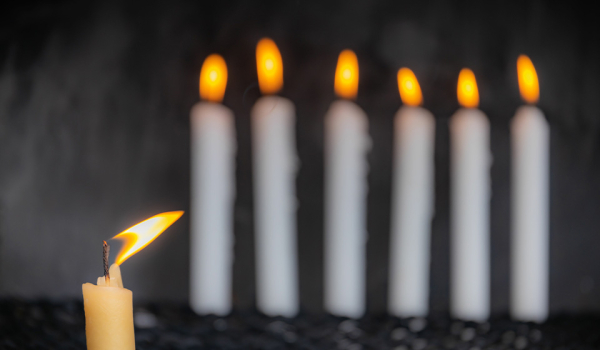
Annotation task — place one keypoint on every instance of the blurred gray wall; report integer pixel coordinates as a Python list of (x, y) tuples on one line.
[(94, 131)]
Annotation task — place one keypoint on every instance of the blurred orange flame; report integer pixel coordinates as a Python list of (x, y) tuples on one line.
[(528, 80), (468, 94), (410, 90), (213, 78), (138, 236), (269, 66), (346, 75)]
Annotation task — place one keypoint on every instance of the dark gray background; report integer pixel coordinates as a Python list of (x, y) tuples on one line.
[(94, 130)]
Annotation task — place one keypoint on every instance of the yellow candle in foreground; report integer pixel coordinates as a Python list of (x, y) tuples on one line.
[(108, 306), (108, 314), (115, 277)]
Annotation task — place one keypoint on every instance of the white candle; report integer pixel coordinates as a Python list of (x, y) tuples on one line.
[(530, 134), (213, 191), (275, 165), (470, 200), (412, 202), (346, 144)]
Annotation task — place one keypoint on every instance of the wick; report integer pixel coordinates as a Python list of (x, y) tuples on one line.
[(105, 251)]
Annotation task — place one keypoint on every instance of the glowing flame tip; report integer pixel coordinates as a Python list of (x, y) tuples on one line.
[(140, 235), (467, 91), (213, 78), (269, 66), (408, 85), (346, 75), (528, 79)]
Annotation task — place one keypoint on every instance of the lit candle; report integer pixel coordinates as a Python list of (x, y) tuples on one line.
[(275, 165), (530, 135), (470, 200), (412, 206), (108, 306), (213, 191), (346, 145)]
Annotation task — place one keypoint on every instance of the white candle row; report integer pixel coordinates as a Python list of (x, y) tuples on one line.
[(412, 202), (530, 202), (470, 161), (275, 166), (346, 145), (470, 198), (212, 193)]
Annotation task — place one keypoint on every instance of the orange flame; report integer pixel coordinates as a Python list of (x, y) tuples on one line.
[(410, 90), (213, 78), (269, 66), (528, 80), (346, 75), (468, 94), (139, 236)]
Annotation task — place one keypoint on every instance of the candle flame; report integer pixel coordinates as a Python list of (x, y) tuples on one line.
[(213, 78), (528, 80), (468, 94), (269, 66), (140, 235), (346, 75), (410, 90)]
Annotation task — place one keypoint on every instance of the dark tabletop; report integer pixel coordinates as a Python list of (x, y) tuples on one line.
[(60, 325)]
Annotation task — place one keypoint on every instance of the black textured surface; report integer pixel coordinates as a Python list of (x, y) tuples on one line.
[(53, 325)]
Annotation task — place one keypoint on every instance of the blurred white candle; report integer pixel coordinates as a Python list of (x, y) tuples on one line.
[(470, 201), (530, 134), (275, 165), (346, 145), (213, 191), (412, 202)]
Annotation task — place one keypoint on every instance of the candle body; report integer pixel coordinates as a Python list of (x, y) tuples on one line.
[(412, 211), (115, 277), (530, 204), (213, 191), (108, 317), (346, 145), (115, 272), (470, 200), (275, 165)]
